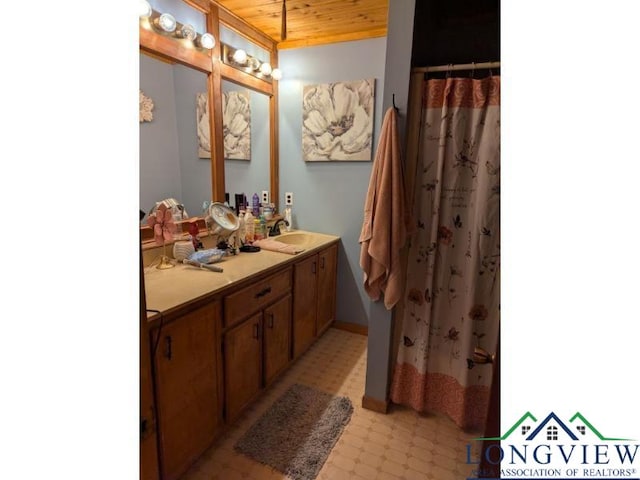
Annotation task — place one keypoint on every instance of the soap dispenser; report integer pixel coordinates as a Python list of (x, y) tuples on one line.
[(288, 218)]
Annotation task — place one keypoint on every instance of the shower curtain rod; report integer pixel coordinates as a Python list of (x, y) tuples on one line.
[(459, 66)]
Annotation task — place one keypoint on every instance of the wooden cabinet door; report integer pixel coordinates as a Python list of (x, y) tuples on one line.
[(327, 270), (186, 388), (304, 304), (277, 338), (243, 364), (149, 466)]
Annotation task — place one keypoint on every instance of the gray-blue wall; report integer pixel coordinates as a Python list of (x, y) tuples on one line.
[(397, 74), (329, 197), (195, 172), (169, 163), (159, 170)]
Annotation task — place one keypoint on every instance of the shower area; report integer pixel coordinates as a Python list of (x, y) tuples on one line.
[(446, 328), (448, 323)]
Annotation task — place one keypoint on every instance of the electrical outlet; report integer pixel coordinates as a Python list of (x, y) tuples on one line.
[(265, 196), (288, 198)]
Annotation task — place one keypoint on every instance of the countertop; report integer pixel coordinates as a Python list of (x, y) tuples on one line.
[(169, 289)]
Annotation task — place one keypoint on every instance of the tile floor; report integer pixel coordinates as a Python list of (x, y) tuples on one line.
[(402, 444)]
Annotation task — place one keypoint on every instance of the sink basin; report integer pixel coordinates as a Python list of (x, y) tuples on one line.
[(294, 238)]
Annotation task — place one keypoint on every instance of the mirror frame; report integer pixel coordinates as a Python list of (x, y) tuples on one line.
[(172, 49)]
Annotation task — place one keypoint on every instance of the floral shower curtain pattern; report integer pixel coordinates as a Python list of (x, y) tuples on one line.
[(452, 286)]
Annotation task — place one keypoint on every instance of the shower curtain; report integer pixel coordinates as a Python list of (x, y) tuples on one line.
[(452, 288)]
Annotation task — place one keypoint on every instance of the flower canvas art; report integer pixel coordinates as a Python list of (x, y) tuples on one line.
[(337, 121), (236, 124), (202, 123)]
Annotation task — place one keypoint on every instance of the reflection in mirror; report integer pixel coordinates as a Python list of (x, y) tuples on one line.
[(170, 166), (230, 37), (252, 176), (242, 176), (182, 12), (236, 124)]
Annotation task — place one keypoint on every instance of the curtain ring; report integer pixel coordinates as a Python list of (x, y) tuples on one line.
[(449, 69), (473, 69)]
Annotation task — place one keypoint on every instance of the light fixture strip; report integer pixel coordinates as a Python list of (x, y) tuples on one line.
[(252, 65), (177, 32)]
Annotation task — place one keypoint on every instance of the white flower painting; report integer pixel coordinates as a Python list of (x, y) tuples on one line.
[(337, 121), (202, 123), (236, 115), (236, 125)]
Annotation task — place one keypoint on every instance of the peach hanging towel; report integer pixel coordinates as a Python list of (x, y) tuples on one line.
[(387, 221)]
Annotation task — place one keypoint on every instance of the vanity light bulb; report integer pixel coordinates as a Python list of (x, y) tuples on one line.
[(144, 9), (254, 63), (265, 69), (167, 22), (276, 74), (189, 32), (207, 41), (240, 56)]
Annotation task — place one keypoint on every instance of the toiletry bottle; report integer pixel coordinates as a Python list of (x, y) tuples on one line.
[(239, 206), (255, 203), (267, 210), (263, 227), (288, 218), (259, 234), (249, 227), (241, 228)]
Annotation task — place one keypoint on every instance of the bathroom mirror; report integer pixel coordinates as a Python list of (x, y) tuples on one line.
[(181, 53), (260, 172), (173, 72), (250, 175), (170, 166)]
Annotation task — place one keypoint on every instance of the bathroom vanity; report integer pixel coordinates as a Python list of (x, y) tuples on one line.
[(217, 340)]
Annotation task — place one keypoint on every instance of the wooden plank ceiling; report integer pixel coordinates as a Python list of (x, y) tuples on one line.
[(314, 22)]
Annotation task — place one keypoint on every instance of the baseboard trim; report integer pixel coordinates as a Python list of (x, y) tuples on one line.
[(351, 327), (380, 406)]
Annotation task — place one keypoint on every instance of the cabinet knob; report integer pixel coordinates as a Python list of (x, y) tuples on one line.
[(167, 348), (263, 292), (313, 267), (147, 426), (143, 428)]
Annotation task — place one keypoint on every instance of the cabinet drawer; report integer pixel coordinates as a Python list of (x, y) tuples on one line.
[(256, 296)]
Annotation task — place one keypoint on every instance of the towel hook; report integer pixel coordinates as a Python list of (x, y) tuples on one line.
[(393, 100)]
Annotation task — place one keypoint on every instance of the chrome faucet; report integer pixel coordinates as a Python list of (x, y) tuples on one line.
[(275, 229)]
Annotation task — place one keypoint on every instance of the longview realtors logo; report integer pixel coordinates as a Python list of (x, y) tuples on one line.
[(553, 449)]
